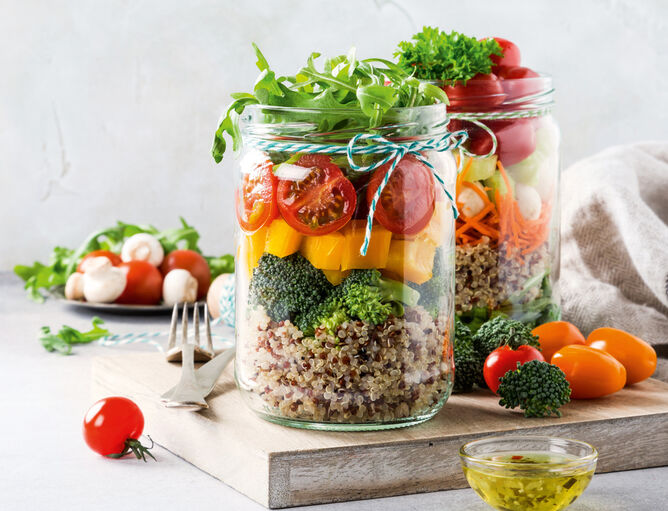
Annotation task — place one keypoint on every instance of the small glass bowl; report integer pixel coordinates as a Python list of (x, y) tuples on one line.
[(540, 473)]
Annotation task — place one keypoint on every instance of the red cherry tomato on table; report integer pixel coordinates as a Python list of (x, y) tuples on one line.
[(555, 335), (591, 373), (637, 356), (194, 263), (114, 258), (256, 197), (511, 54), (144, 284), (322, 202), (113, 426), (505, 359), (480, 92), (407, 201)]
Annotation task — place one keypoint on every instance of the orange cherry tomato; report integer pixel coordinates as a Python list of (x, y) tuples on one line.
[(555, 335), (637, 356), (590, 372)]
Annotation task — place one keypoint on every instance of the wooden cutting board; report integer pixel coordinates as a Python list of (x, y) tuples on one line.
[(281, 467)]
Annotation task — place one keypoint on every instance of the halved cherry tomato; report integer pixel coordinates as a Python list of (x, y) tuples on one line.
[(114, 258), (555, 335), (637, 356), (194, 263), (518, 81), (504, 359), (591, 373), (480, 92), (256, 197), (322, 202), (407, 202), (144, 284), (511, 54)]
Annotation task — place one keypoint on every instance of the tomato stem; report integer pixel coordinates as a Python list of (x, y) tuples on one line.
[(134, 446)]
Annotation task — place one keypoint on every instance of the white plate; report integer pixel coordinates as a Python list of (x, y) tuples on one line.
[(121, 308)]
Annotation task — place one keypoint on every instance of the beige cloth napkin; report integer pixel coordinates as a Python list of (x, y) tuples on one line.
[(614, 227)]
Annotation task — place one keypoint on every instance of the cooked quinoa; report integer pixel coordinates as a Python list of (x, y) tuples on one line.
[(486, 277), (361, 373)]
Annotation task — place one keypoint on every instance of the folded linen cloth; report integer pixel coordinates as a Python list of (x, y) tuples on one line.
[(614, 228)]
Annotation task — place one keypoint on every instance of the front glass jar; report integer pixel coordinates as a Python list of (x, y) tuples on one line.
[(507, 234), (328, 338)]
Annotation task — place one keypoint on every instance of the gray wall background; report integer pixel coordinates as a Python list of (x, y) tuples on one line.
[(108, 107)]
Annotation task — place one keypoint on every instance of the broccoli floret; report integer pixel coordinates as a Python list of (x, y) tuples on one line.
[(502, 331), (288, 286), (538, 388), (328, 314), (436, 287), (368, 296), (468, 364)]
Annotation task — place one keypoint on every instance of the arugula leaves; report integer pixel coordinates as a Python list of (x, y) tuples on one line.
[(371, 87), (453, 58), (63, 261), (67, 336)]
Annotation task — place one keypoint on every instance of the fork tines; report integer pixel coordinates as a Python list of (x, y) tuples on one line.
[(202, 354)]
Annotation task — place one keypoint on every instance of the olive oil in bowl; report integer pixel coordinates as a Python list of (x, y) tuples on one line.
[(530, 474)]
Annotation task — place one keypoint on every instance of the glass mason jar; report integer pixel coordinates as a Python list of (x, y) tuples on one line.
[(328, 338), (507, 234)]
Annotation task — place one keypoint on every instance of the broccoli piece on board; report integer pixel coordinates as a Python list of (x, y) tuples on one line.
[(538, 388), (288, 286), (502, 331)]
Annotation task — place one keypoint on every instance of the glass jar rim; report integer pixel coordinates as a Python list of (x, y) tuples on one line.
[(346, 110)]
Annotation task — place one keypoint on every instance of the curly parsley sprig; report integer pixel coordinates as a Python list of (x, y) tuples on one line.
[(453, 58)]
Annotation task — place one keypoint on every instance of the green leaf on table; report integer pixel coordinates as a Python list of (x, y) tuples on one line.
[(67, 336)]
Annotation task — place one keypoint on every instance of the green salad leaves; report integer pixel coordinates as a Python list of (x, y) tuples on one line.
[(371, 86), (63, 261), (67, 336), (453, 58)]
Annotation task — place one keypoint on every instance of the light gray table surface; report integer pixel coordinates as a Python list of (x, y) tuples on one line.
[(46, 464)]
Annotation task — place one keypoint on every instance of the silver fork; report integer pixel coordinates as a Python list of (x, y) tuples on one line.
[(200, 354)]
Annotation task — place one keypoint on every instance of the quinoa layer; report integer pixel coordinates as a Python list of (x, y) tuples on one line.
[(362, 373), (486, 278)]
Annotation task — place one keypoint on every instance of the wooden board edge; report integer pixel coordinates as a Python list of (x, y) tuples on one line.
[(433, 465)]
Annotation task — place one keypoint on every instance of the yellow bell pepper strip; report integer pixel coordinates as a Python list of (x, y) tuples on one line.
[(335, 277), (411, 259), (282, 240), (251, 248), (379, 246), (325, 251)]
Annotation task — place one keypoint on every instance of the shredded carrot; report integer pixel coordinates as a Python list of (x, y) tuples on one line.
[(500, 222)]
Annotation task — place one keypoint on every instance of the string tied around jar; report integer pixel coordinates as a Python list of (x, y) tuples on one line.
[(376, 144)]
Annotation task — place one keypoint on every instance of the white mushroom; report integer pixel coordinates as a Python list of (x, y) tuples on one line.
[(528, 201), (74, 286), (102, 282), (143, 247), (179, 286), (469, 202)]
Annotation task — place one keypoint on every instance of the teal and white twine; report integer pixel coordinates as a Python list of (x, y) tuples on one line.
[(376, 144)]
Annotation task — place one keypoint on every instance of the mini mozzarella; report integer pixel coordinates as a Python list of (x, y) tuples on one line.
[(102, 282), (469, 202), (74, 286), (528, 201), (179, 286), (143, 247)]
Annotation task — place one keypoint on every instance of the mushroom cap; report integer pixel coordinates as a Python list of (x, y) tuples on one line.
[(143, 247), (179, 286)]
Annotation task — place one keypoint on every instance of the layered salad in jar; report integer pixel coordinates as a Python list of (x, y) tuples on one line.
[(329, 332), (507, 233)]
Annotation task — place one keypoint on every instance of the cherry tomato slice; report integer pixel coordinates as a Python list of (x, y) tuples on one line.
[(511, 54), (322, 202), (115, 259), (407, 202), (480, 92), (505, 359), (256, 197)]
